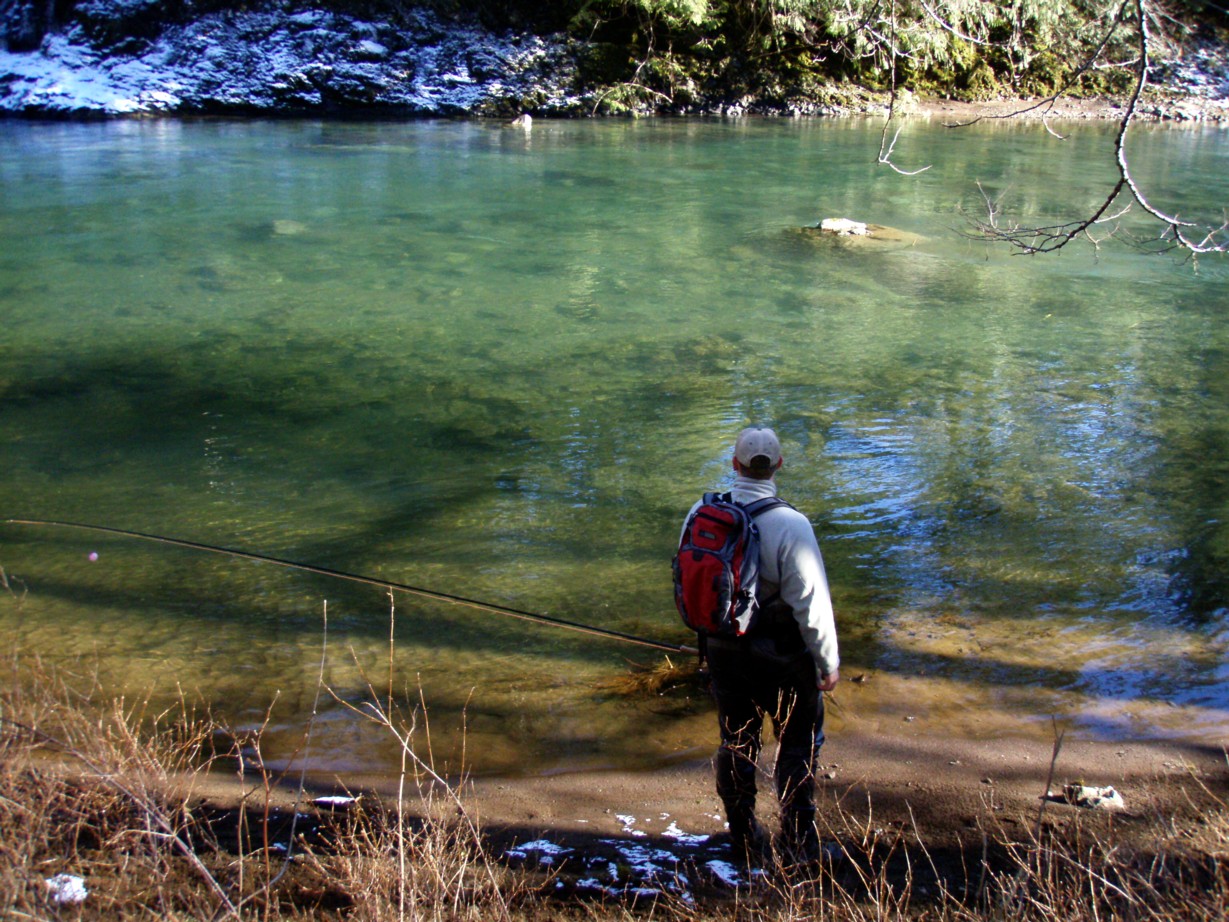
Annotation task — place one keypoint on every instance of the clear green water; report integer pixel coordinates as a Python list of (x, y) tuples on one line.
[(502, 365)]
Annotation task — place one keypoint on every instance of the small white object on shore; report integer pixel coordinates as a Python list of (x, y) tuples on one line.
[(66, 889), (1083, 795)]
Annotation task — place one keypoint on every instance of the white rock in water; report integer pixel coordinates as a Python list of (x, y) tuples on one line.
[(844, 227), (523, 121)]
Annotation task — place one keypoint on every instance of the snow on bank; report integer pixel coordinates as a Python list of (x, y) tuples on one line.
[(319, 62), (635, 869), (311, 61)]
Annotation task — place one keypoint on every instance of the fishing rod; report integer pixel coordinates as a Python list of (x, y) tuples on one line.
[(490, 607)]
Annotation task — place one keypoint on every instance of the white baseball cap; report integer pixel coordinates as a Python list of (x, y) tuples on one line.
[(757, 448)]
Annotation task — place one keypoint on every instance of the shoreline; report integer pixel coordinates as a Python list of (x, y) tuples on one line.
[(943, 793), (932, 778), (307, 63)]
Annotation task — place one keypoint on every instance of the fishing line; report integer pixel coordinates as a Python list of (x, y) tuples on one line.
[(372, 581)]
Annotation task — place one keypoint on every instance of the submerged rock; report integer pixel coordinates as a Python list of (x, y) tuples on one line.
[(284, 227)]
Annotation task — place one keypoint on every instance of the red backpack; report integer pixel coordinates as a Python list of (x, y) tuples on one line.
[(717, 567)]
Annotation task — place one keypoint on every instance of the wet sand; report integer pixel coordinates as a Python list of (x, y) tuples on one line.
[(942, 790), (941, 785)]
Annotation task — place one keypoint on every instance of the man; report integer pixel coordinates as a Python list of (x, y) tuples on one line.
[(780, 669)]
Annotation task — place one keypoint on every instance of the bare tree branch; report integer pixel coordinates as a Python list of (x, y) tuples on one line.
[(1049, 102), (885, 149), (1177, 234), (944, 24)]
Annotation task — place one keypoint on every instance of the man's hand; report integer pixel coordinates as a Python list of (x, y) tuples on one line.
[(828, 682)]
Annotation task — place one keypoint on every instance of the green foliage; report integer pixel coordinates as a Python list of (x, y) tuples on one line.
[(969, 48), (665, 49)]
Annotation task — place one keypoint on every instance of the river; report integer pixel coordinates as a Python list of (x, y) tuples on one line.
[(502, 363)]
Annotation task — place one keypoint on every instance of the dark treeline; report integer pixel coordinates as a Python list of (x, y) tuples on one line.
[(965, 49)]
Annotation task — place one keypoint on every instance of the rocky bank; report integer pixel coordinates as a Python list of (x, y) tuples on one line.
[(129, 57)]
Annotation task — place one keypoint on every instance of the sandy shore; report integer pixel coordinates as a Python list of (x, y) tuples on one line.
[(1156, 106), (943, 784), (917, 785)]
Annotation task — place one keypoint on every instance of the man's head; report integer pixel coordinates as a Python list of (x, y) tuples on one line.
[(757, 453)]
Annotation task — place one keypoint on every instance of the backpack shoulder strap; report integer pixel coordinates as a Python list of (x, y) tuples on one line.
[(763, 505)]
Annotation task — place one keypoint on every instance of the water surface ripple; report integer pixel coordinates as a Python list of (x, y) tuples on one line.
[(502, 364)]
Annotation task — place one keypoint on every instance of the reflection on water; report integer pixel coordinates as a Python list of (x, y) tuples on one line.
[(502, 364)]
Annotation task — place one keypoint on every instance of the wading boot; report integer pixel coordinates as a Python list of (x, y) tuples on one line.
[(752, 845), (798, 845)]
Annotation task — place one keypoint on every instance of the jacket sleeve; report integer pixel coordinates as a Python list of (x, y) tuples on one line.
[(804, 588)]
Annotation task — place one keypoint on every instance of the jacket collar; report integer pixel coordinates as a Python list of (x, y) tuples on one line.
[(748, 490)]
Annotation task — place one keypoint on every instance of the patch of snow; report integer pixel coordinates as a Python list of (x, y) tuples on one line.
[(724, 872), (1102, 798), (844, 227), (273, 61), (308, 18), (645, 863), (371, 49), (546, 851), (683, 838), (628, 823)]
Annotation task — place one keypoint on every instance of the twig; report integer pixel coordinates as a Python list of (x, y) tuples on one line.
[(1033, 240), (302, 786), (1059, 735), (4, 581), (374, 711), (1049, 101), (886, 149)]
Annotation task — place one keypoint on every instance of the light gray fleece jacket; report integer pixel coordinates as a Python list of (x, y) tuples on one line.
[(791, 562)]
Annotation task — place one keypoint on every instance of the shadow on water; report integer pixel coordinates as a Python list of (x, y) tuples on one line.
[(141, 405), (505, 375)]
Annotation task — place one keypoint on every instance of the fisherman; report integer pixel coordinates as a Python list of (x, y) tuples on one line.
[(779, 670)]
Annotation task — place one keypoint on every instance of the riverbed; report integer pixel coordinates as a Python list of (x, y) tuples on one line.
[(502, 363)]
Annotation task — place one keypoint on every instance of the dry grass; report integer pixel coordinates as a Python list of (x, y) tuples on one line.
[(653, 679), (105, 791), (108, 794)]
